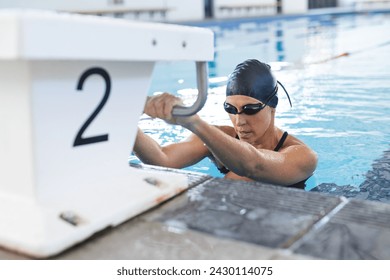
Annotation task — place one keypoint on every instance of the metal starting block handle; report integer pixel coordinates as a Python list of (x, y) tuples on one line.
[(202, 83)]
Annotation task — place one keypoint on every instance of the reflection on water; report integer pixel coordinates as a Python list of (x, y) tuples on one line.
[(340, 102)]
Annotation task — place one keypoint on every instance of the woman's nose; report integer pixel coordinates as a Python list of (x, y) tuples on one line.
[(240, 119)]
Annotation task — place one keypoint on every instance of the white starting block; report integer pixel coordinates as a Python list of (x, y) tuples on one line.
[(72, 89)]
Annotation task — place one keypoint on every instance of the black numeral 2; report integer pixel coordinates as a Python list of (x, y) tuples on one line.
[(80, 140)]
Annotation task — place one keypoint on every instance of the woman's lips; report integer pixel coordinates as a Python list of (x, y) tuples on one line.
[(244, 134)]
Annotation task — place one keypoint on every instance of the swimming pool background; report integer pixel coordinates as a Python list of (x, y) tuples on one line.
[(341, 103)]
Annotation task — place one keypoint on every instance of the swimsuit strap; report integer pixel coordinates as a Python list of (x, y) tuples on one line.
[(281, 141)]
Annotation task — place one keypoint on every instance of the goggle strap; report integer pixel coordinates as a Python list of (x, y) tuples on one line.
[(288, 96)]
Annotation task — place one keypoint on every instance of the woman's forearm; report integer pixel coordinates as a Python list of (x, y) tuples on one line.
[(148, 150), (234, 154)]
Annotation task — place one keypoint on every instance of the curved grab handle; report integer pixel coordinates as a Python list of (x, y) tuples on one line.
[(202, 82)]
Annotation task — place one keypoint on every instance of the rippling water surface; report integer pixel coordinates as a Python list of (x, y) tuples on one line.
[(336, 69)]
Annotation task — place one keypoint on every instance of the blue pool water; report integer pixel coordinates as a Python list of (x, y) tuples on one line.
[(341, 104)]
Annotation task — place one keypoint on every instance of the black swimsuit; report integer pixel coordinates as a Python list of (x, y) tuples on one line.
[(300, 185)]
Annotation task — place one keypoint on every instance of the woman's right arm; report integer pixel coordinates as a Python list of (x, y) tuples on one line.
[(176, 155)]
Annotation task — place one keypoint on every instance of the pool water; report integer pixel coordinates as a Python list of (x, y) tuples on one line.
[(336, 70)]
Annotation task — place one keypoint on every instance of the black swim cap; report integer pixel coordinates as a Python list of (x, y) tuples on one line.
[(255, 79)]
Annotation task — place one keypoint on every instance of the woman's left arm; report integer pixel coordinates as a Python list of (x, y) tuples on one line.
[(288, 166)]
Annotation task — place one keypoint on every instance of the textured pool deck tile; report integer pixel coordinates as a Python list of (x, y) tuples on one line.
[(360, 230), (7, 255), (194, 178), (140, 240), (224, 219), (288, 255), (253, 212)]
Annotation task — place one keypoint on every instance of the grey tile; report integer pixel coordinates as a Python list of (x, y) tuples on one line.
[(8, 255), (150, 240), (288, 255), (360, 230), (258, 213)]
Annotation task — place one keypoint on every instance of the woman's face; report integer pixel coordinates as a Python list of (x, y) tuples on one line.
[(249, 128)]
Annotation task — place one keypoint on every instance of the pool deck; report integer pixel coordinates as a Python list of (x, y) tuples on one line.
[(224, 219)]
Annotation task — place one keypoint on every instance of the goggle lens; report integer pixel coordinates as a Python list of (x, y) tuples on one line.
[(249, 109)]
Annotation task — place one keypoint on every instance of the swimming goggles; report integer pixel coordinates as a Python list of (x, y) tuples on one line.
[(251, 109)]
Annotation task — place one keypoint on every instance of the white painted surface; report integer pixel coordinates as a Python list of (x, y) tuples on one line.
[(269, 8), (50, 35), (187, 10), (295, 7), (367, 5), (43, 174)]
